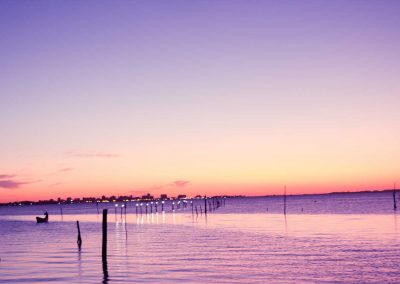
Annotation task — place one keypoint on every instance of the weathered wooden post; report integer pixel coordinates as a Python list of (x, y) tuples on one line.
[(97, 206), (394, 197), (79, 241), (162, 206), (205, 204), (104, 243)]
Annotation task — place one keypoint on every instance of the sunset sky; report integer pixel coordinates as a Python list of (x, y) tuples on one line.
[(198, 97)]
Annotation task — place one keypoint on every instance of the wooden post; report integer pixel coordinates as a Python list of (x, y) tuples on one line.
[(394, 197), (205, 204), (97, 206), (104, 244), (61, 210), (104, 247), (79, 241)]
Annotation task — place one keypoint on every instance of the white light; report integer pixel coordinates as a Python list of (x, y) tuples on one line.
[(162, 202), (116, 205), (122, 205), (137, 204)]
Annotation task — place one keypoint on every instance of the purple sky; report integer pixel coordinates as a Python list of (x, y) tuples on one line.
[(214, 93)]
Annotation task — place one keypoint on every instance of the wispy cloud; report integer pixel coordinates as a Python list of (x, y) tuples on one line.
[(61, 171), (179, 183), (176, 183), (93, 155), (65, 170), (6, 176), (10, 182), (157, 188)]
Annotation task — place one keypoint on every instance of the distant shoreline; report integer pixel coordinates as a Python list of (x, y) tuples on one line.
[(47, 202), (331, 193)]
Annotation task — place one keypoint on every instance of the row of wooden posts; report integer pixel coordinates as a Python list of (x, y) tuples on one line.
[(210, 205)]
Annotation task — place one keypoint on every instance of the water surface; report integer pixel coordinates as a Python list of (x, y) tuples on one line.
[(323, 239)]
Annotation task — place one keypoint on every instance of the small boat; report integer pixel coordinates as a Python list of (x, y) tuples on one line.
[(43, 220)]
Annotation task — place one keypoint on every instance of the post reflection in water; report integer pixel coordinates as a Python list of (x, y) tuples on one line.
[(105, 272), (286, 224), (79, 263)]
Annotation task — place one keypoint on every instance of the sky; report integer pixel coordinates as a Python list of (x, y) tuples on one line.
[(198, 97)]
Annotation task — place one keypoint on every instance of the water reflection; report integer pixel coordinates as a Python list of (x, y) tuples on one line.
[(303, 246), (79, 265), (105, 271)]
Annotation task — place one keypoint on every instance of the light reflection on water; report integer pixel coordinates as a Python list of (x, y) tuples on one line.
[(222, 248)]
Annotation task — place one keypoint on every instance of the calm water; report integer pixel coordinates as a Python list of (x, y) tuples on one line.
[(342, 238)]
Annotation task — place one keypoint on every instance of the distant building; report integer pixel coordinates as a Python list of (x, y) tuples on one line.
[(148, 197), (163, 196), (181, 196)]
